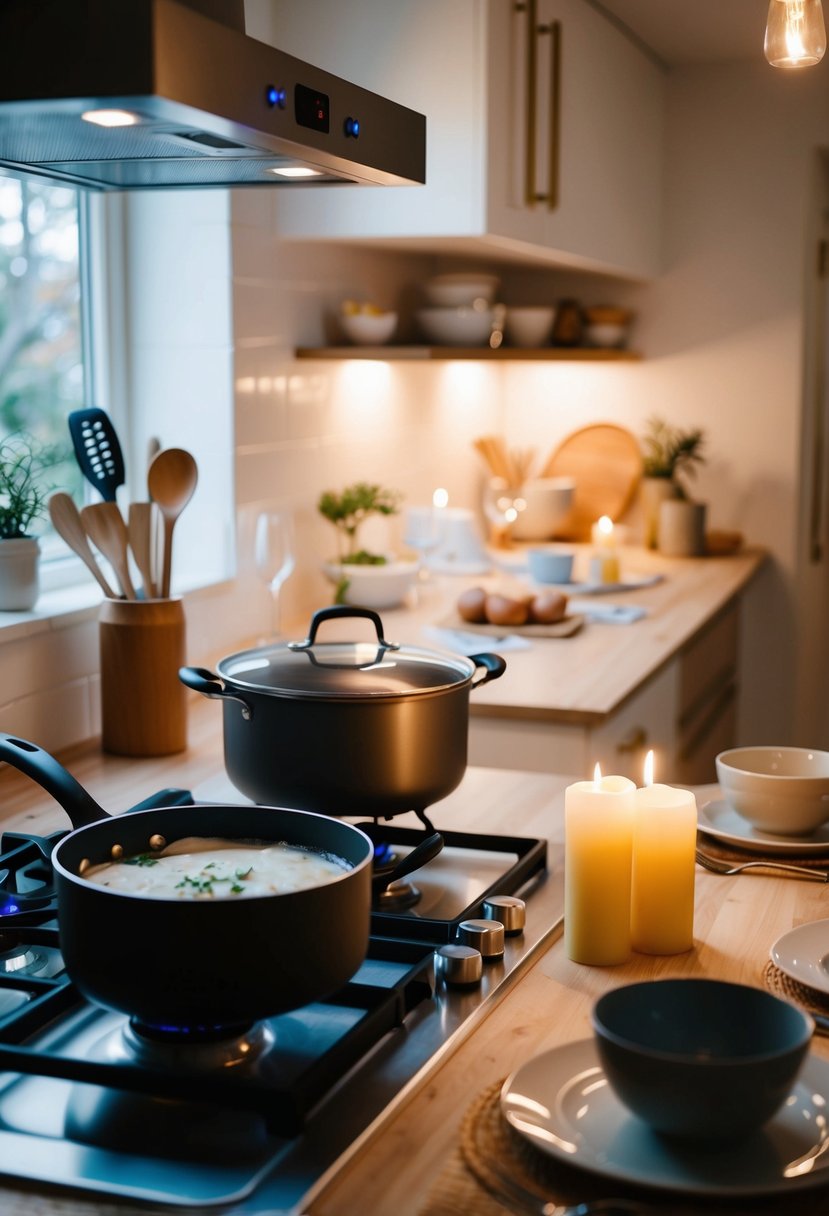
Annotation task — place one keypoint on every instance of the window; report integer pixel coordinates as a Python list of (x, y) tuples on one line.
[(41, 333)]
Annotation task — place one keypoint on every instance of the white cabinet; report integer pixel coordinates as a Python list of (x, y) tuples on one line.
[(595, 125)]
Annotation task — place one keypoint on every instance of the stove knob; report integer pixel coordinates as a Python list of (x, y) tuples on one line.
[(458, 965), (510, 911), (485, 935)]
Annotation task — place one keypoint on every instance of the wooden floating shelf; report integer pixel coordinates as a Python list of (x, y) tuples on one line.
[(442, 353)]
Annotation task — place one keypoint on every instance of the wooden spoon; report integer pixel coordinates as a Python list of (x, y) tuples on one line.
[(67, 522), (140, 528), (105, 526), (171, 480)]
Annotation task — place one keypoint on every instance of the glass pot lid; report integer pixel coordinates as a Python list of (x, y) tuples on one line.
[(353, 669)]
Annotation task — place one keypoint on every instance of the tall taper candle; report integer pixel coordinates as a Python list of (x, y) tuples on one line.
[(598, 844), (662, 893)]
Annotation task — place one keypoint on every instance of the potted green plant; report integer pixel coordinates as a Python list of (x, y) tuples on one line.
[(670, 454), (361, 576), (23, 497)]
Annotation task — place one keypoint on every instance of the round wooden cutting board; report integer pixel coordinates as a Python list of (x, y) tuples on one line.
[(606, 463)]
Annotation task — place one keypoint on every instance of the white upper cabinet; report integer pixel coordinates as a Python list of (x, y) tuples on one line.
[(543, 136)]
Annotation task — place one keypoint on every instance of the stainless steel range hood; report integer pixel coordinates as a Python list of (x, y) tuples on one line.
[(206, 104)]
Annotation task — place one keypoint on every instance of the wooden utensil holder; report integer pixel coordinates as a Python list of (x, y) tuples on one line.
[(143, 702)]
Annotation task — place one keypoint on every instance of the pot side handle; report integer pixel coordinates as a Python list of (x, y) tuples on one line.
[(210, 685), (488, 667), (36, 763)]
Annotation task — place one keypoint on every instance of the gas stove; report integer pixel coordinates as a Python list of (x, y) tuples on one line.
[(252, 1122)]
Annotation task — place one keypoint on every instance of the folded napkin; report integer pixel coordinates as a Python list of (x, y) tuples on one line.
[(613, 614), (460, 642)]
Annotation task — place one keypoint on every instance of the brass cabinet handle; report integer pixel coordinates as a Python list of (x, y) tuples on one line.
[(531, 193)]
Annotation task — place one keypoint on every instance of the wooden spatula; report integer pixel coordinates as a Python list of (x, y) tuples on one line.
[(66, 520), (105, 527), (140, 526)]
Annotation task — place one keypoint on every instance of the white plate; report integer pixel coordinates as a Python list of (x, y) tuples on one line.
[(803, 953), (562, 1104), (717, 818)]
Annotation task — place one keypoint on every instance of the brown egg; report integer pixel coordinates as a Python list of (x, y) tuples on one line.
[(548, 607), (502, 610), (472, 606)]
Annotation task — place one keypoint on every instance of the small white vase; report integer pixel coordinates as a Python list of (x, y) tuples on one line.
[(682, 528), (19, 583)]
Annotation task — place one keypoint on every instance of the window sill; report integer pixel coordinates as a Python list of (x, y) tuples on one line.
[(58, 609)]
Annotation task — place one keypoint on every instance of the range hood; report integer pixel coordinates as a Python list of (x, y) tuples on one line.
[(205, 104)]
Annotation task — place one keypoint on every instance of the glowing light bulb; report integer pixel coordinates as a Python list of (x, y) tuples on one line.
[(795, 33)]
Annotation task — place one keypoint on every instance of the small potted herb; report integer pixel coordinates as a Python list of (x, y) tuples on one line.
[(671, 455), (361, 576), (23, 496)]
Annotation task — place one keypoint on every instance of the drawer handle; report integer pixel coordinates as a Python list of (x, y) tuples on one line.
[(634, 741)]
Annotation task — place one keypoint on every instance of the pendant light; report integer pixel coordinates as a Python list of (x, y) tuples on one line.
[(795, 33)]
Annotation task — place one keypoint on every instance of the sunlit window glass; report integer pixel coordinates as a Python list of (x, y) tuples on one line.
[(41, 349)]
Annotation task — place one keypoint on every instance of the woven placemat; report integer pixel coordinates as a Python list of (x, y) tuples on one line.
[(807, 998), (491, 1158), (731, 852)]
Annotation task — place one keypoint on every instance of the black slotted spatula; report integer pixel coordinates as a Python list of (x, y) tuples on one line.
[(97, 450)]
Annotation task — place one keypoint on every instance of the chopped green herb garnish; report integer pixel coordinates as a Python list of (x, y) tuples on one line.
[(141, 859)]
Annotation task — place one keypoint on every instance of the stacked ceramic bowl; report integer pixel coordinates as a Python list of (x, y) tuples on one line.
[(460, 309)]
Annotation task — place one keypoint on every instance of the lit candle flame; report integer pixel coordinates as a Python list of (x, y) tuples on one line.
[(605, 525), (597, 776), (648, 778), (440, 498)]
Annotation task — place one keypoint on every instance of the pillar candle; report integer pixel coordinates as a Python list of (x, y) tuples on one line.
[(598, 844), (662, 892), (604, 562)]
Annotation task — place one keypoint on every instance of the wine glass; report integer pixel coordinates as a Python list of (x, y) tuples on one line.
[(274, 557), (422, 532), (502, 505)]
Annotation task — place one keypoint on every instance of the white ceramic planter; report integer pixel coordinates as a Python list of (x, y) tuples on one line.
[(374, 586), (682, 528), (19, 583)]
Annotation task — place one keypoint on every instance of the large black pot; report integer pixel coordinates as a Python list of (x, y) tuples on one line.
[(346, 728), (204, 963)]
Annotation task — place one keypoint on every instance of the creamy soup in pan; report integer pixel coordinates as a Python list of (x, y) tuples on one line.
[(198, 867)]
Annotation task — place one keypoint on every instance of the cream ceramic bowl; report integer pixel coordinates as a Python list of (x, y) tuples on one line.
[(456, 326), (783, 790), (373, 586), (460, 290), (368, 329), (529, 326)]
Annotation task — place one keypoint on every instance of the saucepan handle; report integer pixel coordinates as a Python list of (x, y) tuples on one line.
[(36, 763), (210, 685), (488, 667), (425, 851)]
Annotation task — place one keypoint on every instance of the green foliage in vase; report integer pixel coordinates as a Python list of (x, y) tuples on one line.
[(23, 494), (670, 452)]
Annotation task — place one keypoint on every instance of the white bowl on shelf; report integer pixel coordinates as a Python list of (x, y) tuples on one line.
[(460, 290), (530, 325), (606, 335), (368, 329), (456, 326), (383, 586)]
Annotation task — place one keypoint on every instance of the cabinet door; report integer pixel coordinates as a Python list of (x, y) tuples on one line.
[(576, 168), (425, 54), (646, 722)]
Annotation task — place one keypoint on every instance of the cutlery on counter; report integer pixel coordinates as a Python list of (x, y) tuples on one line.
[(97, 450), (105, 526), (171, 480), (718, 866), (67, 522)]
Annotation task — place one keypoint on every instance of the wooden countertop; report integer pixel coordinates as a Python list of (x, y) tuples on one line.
[(587, 677), (737, 920)]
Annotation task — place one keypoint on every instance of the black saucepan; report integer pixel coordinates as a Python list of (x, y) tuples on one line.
[(204, 963), (346, 728)]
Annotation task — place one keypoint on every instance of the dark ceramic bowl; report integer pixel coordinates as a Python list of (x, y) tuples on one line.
[(700, 1059)]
